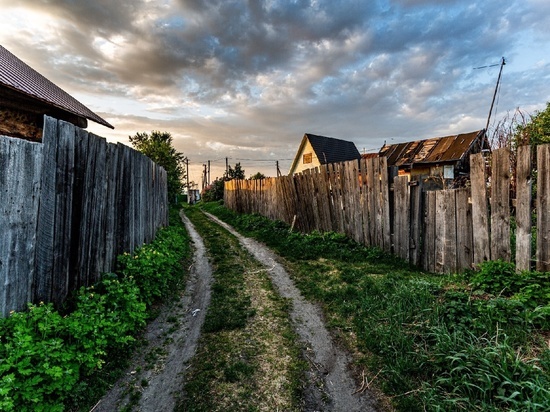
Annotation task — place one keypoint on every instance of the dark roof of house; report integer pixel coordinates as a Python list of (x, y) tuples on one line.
[(331, 150), (18, 76), (435, 150)]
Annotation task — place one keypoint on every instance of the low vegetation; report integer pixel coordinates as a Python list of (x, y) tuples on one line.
[(473, 342), (52, 360), (248, 358)]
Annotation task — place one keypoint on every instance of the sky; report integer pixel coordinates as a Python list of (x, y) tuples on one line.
[(244, 80)]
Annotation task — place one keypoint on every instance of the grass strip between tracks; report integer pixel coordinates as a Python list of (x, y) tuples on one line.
[(248, 357)]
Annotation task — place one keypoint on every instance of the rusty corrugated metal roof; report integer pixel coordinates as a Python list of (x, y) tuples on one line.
[(18, 76), (435, 150)]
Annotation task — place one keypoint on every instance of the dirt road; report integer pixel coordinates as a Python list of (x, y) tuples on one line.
[(330, 385), (157, 372)]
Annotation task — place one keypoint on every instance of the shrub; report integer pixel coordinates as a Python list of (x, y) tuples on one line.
[(44, 355)]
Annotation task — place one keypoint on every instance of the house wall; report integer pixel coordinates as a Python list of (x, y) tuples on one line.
[(20, 123), (301, 166)]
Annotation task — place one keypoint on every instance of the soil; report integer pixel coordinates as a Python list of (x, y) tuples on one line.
[(170, 346), (330, 384)]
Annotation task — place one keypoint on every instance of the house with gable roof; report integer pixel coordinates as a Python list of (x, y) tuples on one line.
[(315, 151), (26, 96)]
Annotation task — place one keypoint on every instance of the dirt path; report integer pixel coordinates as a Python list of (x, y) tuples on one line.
[(331, 386), (156, 375), (155, 379)]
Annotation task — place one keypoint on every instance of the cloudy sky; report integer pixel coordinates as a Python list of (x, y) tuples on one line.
[(246, 79)]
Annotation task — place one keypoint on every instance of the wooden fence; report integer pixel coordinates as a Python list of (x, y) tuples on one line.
[(68, 207), (442, 231)]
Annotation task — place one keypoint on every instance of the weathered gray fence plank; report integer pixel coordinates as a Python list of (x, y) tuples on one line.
[(401, 222), (63, 210), (523, 208), (480, 217), (385, 203), (46, 215), (543, 208), (464, 230), (415, 245), (429, 232), (20, 172), (500, 205), (445, 237)]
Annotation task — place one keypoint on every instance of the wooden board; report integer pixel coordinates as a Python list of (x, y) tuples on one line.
[(500, 205), (445, 232), (401, 226), (428, 255), (464, 230), (385, 203), (416, 217), (480, 219), (543, 208), (46, 215), (523, 208), (20, 175)]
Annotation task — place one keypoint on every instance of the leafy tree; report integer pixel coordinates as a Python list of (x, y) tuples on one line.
[(214, 191), (537, 130), (257, 176), (158, 147), (236, 173)]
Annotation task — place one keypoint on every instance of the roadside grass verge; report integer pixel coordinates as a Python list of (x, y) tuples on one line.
[(473, 342), (248, 358), (55, 360)]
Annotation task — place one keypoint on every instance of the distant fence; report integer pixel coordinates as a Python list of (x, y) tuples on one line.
[(442, 231), (68, 207)]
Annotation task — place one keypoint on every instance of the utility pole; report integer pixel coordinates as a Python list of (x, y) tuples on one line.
[(502, 63), (208, 175), (187, 175), (278, 170)]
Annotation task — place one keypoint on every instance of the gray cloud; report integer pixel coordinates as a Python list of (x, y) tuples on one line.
[(233, 76)]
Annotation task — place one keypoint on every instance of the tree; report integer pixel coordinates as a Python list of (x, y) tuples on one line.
[(536, 130), (237, 173), (257, 176), (214, 191), (158, 147)]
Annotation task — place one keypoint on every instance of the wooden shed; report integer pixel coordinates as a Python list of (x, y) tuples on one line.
[(315, 151), (441, 159), (26, 96)]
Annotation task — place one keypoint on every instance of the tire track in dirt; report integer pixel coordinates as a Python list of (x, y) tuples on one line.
[(331, 386), (165, 380)]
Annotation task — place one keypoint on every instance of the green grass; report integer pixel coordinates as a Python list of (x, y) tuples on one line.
[(247, 346), (54, 360), (472, 342)]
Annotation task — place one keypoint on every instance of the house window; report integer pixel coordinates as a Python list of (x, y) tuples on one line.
[(448, 172), (308, 158)]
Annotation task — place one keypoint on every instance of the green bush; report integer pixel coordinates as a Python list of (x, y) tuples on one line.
[(44, 355), (157, 267)]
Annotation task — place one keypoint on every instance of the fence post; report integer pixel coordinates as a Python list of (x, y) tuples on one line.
[(480, 220), (500, 205), (523, 208), (543, 204)]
